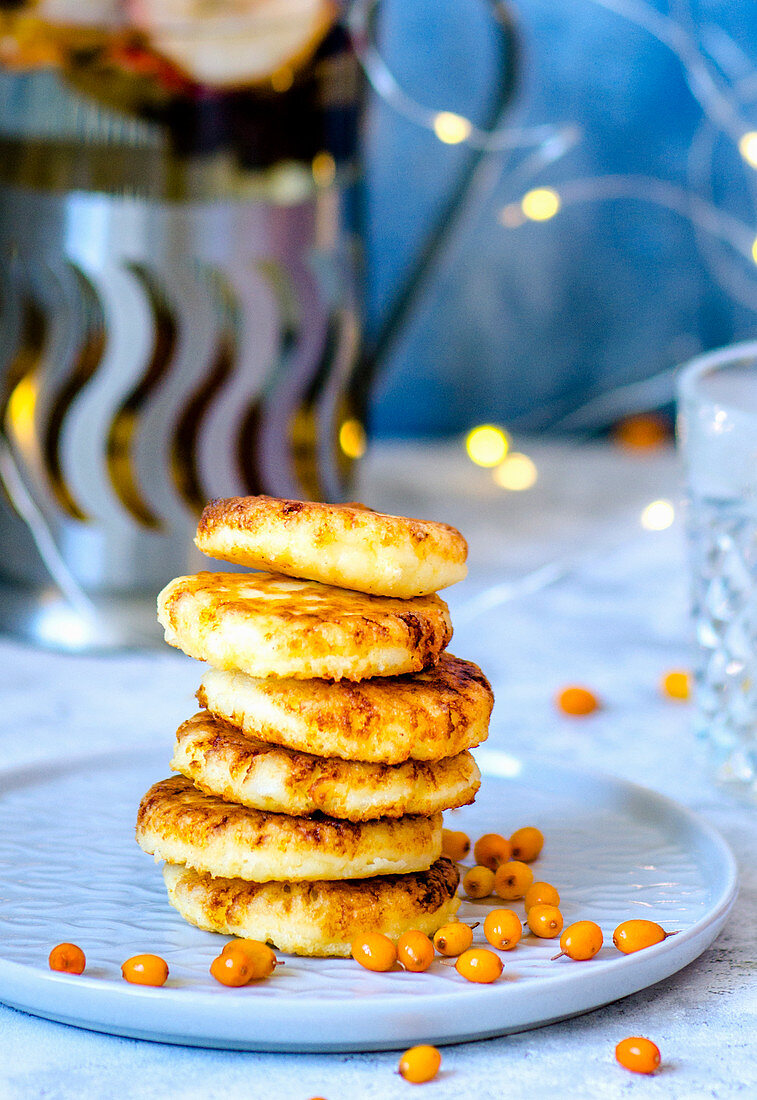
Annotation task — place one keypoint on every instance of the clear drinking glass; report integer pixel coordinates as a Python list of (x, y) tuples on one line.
[(717, 426)]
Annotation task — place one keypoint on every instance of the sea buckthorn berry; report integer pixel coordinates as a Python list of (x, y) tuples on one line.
[(634, 935), (456, 845), (642, 431), (479, 965), (581, 941), (232, 968), (637, 1054), (541, 893), (420, 1064), (526, 843), (415, 951), (490, 850), (512, 879), (145, 970), (545, 921), (478, 882), (374, 951), (67, 957), (257, 959), (453, 939), (676, 685), (577, 701), (503, 929)]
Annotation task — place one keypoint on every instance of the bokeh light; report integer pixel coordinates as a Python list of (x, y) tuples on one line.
[(658, 515), (748, 147), (540, 204), (352, 439), (517, 472), (324, 169), (451, 128), (21, 405), (754, 250), (486, 445)]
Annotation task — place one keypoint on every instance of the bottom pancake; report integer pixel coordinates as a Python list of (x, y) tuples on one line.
[(316, 918)]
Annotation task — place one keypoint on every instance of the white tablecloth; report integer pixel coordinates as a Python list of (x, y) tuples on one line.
[(565, 586)]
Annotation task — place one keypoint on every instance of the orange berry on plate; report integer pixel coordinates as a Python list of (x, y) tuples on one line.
[(526, 843), (676, 685), (512, 879), (258, 959), (541, 893), (453, 939), (635, 935), (145, 970), (581, 940), (374, 951), (415, 951), (420, 1064), (490, 850), (67, 957), (643, 432), (577, 701), (545, 921), (478, 882), (638, 1054), (479, 965), (232, 968), (456, 845), (503, 929)]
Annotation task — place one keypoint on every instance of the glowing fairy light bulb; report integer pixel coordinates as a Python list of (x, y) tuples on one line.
[(540, 204), (352, 439), (517, 472), (451, 128), (486, 445), (748, 147), (658, 515)]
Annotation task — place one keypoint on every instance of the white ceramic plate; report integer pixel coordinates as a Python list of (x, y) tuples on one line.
[(71, 871)]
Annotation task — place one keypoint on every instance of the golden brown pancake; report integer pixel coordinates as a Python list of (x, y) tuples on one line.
[(180, 824), (346, 545), (433, 714), (316, 918), (222, 761), (265, 624)]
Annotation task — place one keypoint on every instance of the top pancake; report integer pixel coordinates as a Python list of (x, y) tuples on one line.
[(268, 625), (346, 545)]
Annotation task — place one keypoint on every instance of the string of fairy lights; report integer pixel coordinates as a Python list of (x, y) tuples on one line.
[(724, 95)]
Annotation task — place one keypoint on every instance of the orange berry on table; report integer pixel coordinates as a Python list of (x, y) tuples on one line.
[(456, 845), (643, 432), (581, 941), (453, 939), (635, 935), (512, 879), (577, 701), (638, 1054), (491, 849), (145, 970), (67, 957), (415, 951), (541, 893), (260, 958), (676, 685), (545, 921), (503, 929), (479, 965), (526, 843), (420, 1064), (374, 951), (478, 882)]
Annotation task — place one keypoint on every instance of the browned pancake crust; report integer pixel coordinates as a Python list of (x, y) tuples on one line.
[(433, 714), (317, 918), (346, 545), (181, 824), (222, 761), (266, 624)]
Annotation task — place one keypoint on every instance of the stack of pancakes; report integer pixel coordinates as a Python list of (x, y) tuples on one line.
[(335, 729)]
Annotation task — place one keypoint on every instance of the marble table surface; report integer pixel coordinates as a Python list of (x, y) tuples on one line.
[(565, 586)]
